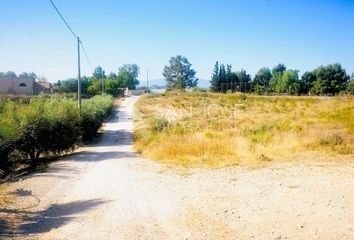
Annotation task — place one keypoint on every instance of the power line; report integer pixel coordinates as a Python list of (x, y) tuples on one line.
[(85, 54), (78, 54), (62, 18), (71, 30)]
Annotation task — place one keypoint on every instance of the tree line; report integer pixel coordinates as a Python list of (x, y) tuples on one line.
[(113, 83), (331, 79)]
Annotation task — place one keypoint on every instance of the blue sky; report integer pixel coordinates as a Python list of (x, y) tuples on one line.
[(248, 34)]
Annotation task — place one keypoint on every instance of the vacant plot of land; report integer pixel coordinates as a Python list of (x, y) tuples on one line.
[(106, 191), (218, 130)]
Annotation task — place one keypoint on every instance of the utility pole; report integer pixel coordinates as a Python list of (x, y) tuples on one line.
[(78, 73), (102, 81), (147, 80)]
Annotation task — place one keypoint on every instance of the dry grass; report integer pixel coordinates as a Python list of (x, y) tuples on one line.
[(205, 129)]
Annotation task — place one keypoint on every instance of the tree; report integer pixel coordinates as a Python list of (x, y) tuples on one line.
[(26, 75), (10, 74), (277, 73), (131, 68), (95, 86), (99, 73), (279, 69), (289, 82), (350, 88), (85, 83), (126, 79), (306, 82), (128, 76), (263, 77), (112, 76), (215, 84), (245, 80), (179, 74), (330, 79), (243, 76), (228, 74), (67, 86), (222, 78), (112, 87)]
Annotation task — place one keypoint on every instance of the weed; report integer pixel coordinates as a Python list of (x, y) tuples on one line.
[(265, 128), (331, 140)]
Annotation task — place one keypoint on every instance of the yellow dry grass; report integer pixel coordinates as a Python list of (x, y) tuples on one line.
[(216, 130)]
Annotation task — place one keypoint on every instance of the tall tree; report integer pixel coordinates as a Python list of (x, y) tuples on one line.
[(244, 81), (179, 74), (126, 79), (243, 76), (10, 74), (67, 86), (277, 73), (263, 77), (330, 79), (279, 69), (350, 87), (99, 73), (133, 69), (128, 75), (306, 82), (289, 82), (228, 75), (222, 77), (215, 84)]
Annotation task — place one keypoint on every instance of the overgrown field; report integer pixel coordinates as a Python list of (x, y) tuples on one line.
[(47, 126), (206, 129)]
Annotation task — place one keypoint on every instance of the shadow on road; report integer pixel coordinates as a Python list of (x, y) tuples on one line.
[(21, 221), (111, 138), (33, 222)]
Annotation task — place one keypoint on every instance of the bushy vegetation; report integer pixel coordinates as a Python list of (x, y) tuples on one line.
[(94, 111), (214, 129), (127, 77), (324, 80), (48, 126), (179, 74)]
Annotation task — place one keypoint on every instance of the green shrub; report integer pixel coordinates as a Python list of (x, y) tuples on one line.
[(350, 87), (9, 120), (159, 124), (49, 126), (93, 113), (331, 140)]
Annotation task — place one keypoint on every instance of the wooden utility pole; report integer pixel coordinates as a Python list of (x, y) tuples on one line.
[(78, 73)]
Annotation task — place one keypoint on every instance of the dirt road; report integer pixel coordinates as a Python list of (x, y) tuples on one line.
[(105, 191)]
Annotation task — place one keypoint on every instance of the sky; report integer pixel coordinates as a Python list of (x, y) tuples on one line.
[(247, 34)]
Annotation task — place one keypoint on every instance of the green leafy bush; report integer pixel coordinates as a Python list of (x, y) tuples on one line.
[(350, 88), (93, 113), (10, 113), (159, 124), (49, 127)]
